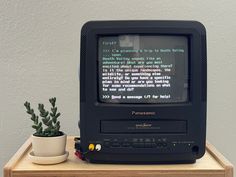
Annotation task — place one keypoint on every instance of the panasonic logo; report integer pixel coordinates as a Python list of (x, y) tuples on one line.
[(143, 125), (135, 113)]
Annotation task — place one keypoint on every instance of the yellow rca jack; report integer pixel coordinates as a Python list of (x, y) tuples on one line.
[(91, 147)]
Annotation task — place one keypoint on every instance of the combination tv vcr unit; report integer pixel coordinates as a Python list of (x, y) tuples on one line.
[(116, 125)]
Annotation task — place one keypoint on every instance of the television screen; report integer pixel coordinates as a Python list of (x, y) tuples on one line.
[(143, 69)]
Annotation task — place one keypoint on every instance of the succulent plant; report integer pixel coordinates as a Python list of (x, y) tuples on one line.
[(49, 126)]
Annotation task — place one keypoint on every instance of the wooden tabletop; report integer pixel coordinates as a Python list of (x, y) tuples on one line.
[(211, 164)]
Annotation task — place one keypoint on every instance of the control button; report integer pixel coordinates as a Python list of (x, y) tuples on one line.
[(126, 144), (138, 145), (107, 144), (153, 145), (140, 140), (135, 140), (91, 147), (150, 145), (98, 147), (148, 140), (164, 144), (115, 143)]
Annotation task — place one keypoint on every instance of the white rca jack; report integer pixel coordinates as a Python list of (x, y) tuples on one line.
[(98, 147)]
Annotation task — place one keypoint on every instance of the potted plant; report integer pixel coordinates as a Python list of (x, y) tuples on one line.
[(48, 140)]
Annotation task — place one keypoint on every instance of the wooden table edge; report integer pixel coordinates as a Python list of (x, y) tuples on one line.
[(209, 147), (16, 158), (220, 159), (129, 173)]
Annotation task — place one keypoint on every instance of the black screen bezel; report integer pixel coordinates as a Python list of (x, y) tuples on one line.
[(92, 30)]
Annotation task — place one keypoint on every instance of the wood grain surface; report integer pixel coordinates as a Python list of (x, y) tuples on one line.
[(211, 164)]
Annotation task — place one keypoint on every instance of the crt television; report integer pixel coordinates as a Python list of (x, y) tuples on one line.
[(142, 91)]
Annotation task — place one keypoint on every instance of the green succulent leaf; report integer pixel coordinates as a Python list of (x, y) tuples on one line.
[(57, 115), (54, 119), (35, 127), (40, 130), (36, 120), (52, 101), (40, 124), (49, 125), (45, 120)]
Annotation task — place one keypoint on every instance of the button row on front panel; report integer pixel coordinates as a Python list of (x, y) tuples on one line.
[(135, 144)]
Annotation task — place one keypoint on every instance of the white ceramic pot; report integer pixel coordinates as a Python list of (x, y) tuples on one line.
[(49, 146)]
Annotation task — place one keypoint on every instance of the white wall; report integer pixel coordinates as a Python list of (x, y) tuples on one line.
[(39, 58)]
